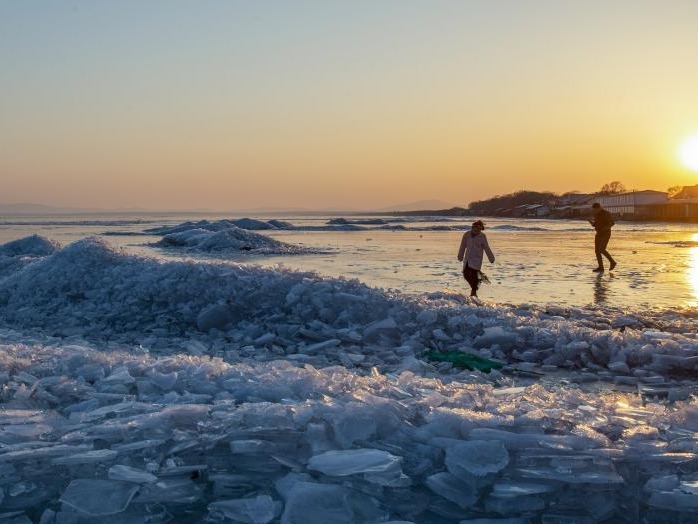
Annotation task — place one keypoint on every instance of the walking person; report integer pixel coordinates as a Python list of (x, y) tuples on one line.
[(602, 222), (472, 247)]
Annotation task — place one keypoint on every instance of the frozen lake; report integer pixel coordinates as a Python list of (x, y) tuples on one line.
[(185, 387), (538, 261)]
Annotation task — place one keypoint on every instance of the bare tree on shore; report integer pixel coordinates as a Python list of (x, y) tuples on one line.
[(612, 188)]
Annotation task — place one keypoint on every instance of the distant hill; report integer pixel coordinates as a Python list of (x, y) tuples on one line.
[(506, 205)]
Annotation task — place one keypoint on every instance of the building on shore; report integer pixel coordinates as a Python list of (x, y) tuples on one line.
[(683, 210), (633, 204), (683, 207), (572, 205), (534, 210)]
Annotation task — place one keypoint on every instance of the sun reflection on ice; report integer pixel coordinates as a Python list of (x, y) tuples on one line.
[(692, 272)]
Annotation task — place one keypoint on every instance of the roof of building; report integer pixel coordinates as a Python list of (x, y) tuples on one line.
[(643, 191)]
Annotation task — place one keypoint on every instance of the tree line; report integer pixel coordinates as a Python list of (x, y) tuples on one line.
[(504, 204)]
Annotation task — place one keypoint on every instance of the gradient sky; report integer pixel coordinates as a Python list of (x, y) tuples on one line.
[(355, 104)]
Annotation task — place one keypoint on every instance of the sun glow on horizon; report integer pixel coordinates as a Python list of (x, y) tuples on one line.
[(688, 153)]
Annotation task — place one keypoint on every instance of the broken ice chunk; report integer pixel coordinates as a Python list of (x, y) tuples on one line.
[(310, 503), (520, 489), (495, 335), (476, 457), (603, 476), (319, 347), (22, 432), (662, 483), (129, 474), (88, 457), (353, 424), (452, 488), (258, 510), (178, 490), (385, 330), (249, 446), (97, 497), (164, 381), (354, 461), (674, 500), (216, 316), (119, 376)]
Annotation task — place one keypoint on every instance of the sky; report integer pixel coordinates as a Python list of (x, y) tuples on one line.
[(326, 104)]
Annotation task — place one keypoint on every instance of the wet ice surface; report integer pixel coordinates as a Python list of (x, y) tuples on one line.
[(143, 390)]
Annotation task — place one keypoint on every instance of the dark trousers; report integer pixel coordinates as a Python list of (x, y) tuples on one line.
[(600, 242), (472, 277)]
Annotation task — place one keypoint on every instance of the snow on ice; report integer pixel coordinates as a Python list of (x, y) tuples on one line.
[(142, 390)]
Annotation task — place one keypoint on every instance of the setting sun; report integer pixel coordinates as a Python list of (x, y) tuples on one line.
[(688, 153)]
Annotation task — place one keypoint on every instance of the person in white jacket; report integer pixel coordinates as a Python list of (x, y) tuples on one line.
[(472, 247)]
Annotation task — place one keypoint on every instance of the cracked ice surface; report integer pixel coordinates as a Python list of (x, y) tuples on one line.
[(199, 392)]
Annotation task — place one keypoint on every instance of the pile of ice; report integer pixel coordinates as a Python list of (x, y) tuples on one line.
[(220, 225), (202, 392), (18, 253), (89, 288), (226, 241), (33, 245), (357, 221), (113, 434), (395, 224), (334, 224)]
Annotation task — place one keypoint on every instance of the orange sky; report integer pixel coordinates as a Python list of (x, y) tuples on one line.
[(357, 105)]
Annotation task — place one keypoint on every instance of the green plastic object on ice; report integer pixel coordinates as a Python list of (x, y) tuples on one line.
[(465, 360)]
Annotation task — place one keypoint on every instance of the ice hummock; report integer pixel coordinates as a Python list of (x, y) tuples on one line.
[(335, 224), (18, 253), (310, 401), (34, 245), (225, 241), (218, 225)]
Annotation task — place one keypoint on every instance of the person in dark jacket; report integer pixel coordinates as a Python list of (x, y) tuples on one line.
[(602, 222)]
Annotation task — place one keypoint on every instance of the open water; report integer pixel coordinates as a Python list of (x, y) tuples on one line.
[(544, 262)]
